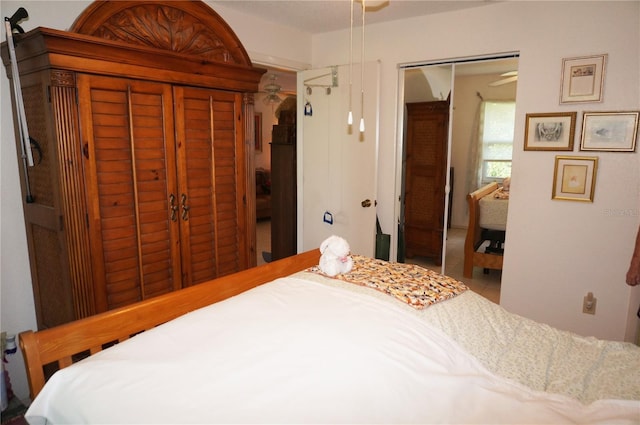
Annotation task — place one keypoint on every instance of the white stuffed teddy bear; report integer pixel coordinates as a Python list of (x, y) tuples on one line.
[(335, 257)]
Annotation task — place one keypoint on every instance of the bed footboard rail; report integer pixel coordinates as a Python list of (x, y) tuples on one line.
[(473, 239), (60, 346)]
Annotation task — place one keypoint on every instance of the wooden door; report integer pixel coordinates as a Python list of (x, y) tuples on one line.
[(128, 144), (211, 183), (425, 176)]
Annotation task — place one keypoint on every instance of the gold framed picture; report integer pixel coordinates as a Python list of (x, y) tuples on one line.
[(574, 178), (552, 131), (582, 79)]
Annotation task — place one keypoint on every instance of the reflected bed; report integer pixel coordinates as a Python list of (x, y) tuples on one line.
[(484, 243)]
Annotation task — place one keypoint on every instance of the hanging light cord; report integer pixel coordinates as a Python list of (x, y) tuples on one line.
[(362, 72), (350, 117)]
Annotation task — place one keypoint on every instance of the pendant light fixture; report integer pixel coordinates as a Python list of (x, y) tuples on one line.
[(350, 116), (362, 72)]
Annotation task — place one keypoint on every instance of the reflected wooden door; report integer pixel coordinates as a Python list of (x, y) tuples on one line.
[(426, 163)]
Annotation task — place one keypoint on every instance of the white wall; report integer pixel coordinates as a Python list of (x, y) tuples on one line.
[(557, 251), (267, 43)]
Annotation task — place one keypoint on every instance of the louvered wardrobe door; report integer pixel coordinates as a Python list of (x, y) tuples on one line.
[(210, 151), (131, 188)]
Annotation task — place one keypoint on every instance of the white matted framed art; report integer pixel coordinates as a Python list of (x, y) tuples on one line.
[(609, 131), (582, 79), (574, 178)]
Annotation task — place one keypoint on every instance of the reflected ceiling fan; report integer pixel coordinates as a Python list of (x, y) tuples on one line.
[(272, 90), (274, 94), (506, 78)]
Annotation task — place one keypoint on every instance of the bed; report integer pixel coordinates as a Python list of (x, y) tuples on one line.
[(484, 243), (282, 343)]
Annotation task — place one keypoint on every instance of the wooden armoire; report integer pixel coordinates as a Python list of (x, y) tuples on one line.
[(425, 178), (140, 184)]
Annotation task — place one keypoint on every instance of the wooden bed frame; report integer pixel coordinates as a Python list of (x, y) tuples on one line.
[(67, 343), (475, 238)]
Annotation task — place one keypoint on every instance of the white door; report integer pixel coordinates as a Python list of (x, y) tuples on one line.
[(337, 164)]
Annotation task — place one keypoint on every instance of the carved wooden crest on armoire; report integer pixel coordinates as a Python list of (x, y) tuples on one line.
[(140, 180)]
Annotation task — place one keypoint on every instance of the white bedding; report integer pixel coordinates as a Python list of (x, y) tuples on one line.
[(532, 353), (303, 350), (493, 212)]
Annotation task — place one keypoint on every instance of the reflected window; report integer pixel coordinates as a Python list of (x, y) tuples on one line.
[(497, 129)]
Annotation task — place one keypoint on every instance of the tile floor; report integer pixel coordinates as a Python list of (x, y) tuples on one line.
[(487, 285), (263, 239)]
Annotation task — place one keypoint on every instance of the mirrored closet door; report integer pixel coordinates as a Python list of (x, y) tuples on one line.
[(445, 109)]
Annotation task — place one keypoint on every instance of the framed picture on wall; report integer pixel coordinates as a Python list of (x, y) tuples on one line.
[(553, 131), (582, 79), (609, 131), (258, 131), (574, 178)]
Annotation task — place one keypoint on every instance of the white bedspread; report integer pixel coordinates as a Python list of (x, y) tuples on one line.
[(493, 212), (537, 355), (302, 351)]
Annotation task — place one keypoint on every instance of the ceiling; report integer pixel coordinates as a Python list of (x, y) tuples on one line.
[(318, 16)]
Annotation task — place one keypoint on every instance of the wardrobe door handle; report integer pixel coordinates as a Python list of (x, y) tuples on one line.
[(173, 207), (185, 207)]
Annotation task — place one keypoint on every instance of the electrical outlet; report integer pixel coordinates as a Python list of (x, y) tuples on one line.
[(589, 304)]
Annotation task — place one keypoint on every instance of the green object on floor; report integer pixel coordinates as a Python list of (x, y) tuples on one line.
[(14, 410), (400, 255), (383, 243)]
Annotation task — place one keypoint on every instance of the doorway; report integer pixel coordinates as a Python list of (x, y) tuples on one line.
[(277, 93), (467, 83)]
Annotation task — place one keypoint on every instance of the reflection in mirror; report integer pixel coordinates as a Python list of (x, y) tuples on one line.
[(478, 150), (427, 83), (426, 135)]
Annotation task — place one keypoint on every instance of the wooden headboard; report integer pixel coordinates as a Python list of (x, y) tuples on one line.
[(474, 235), (63, 345)]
